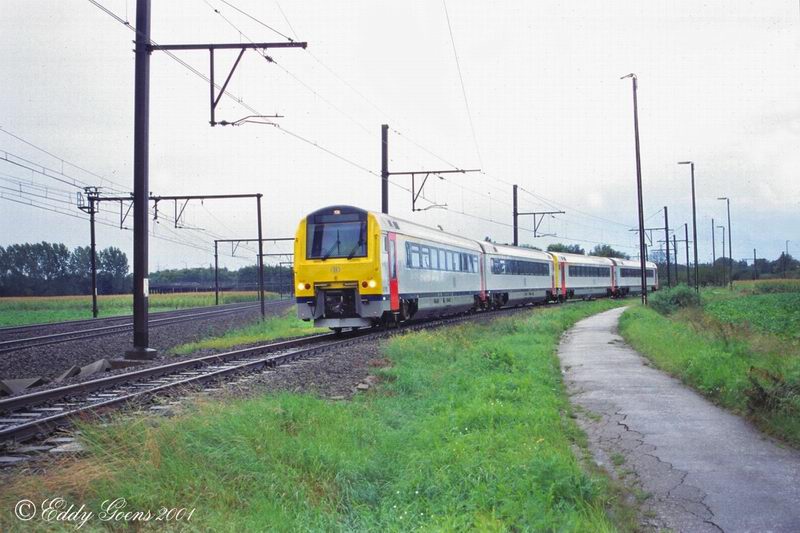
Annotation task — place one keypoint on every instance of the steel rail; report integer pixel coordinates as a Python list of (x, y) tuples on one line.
[(82, 321), (55, 338)]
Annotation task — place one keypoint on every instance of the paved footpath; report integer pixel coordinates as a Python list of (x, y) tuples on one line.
[(703, 468)]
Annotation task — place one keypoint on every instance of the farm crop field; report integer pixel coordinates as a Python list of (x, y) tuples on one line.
[(771, 313), (17, 311)]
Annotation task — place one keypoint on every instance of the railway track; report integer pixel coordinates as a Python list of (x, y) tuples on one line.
[(9, 331), (37, 414), (124, 326)]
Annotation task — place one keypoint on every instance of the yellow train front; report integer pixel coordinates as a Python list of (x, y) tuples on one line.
[(337, 268)]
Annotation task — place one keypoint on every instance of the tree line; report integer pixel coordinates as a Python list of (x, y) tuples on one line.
[(51, 269)]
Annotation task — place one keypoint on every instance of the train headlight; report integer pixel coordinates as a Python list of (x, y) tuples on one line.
[(301, 286), (372, 284)]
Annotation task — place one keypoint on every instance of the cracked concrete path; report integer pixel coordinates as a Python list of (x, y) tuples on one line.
[(697, 467)]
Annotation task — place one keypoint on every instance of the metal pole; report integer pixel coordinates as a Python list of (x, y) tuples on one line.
[(724, 270), (642, 264), (516, 218), (755, 265), (141, 126), (713, 252), (216, 273), (675, 249), (694, 236), (686, 237), (785, 258), (260, 259), (730, 245), (93, 260), (385, 169), (666, 240)]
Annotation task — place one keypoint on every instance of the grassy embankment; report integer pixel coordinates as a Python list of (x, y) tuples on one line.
[(740, 348), (468, 428), (283, 326), (17, 311)]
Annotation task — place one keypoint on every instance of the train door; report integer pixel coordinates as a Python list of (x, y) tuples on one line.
[(394, 292), (563, 279), (613, 277)]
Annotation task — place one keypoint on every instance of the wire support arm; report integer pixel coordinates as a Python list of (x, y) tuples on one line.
[(416, 193)]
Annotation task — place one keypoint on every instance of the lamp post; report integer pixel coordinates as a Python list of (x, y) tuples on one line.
[(713, 253), (723, 251), (642, 261), (785, 258), (694, 228), (730, 246)]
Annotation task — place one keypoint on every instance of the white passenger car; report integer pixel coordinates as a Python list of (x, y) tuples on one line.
[(584, 276), (437, 272), (628, 277), (516, 276)]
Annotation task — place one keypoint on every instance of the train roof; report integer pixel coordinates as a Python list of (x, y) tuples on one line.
[(630, 263), (583, 259), (412, 229), (515, 251)]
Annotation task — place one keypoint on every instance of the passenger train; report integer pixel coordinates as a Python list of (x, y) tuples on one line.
[(355, 268)]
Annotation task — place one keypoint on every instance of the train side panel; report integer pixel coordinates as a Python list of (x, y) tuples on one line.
[(517, 276), (437, 277)]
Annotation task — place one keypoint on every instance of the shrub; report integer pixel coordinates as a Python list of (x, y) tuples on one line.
[(670, 300)]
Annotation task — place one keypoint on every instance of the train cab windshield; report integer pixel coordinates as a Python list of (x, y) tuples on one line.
[(336, 235)]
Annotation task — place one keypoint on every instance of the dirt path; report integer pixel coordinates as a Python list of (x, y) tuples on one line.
[(695, 466)]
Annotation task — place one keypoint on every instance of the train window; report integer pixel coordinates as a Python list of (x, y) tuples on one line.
[(635, 272), (442, 260), (425, 254), (392, 260), (328, 237), (413, 255), (434, 258)]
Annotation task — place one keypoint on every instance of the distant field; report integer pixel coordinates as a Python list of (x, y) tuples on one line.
[(17, 311), (772, 313), (767, 286)]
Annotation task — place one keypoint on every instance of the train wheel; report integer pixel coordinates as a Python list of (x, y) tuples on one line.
[(337, 331)]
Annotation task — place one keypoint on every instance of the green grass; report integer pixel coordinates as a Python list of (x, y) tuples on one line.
[(771, 313), (282, 326), (17, 311), (468, 429), (748, 373)]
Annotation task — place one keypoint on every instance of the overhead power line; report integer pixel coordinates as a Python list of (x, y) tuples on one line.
[(61, 159), (461, 79), (248, 15), (335, 154)]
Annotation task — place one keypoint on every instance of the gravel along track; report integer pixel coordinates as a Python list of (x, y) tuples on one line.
[(51, 360), (334, 374)]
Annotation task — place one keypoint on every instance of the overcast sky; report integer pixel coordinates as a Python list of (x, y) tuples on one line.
[(719, 83)]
